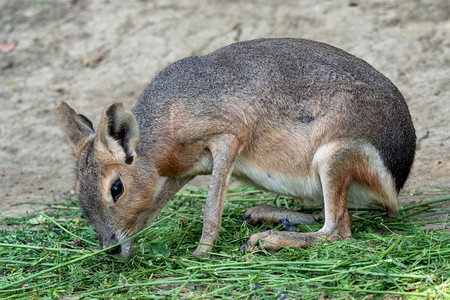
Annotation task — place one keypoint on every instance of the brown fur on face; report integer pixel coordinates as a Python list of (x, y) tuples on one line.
[(296, 117), (136, 197)]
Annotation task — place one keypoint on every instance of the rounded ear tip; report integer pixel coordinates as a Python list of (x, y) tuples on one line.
[(117, 105)]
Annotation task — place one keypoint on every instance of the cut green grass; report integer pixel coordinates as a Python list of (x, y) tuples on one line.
[(50, 255)]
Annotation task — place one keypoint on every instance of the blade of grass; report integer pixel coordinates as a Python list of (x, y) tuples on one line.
[(41, 248), (183, 285), (408, 207), (65, 230), (142, 232)]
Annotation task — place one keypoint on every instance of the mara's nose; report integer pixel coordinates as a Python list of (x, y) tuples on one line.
[(114, 251)]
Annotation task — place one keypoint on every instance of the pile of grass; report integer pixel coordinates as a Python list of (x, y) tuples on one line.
[(56, 255)]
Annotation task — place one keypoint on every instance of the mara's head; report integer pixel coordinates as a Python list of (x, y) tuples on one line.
[(114, 187)]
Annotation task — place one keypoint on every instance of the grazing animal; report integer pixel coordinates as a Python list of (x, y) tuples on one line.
[(292, 116)]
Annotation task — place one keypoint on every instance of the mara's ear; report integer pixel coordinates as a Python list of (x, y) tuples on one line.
[(119, 132), (77, 127)]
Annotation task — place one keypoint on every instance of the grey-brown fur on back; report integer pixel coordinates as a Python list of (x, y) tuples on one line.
[(285, 82)]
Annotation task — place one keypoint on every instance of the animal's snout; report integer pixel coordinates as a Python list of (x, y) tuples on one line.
[(121, 251), (114, 251)]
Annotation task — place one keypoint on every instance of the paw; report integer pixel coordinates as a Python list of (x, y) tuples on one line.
[(258, 215), (273, 240), (202, 250), (264, 240)]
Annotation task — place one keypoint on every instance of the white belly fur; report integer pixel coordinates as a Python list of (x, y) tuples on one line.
[(307, 187)]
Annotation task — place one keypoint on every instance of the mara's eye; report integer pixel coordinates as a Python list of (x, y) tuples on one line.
[(117, 190)]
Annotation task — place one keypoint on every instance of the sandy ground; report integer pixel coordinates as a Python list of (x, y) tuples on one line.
[(92, 53)]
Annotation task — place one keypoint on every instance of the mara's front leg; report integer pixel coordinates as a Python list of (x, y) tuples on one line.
[(224, 150)]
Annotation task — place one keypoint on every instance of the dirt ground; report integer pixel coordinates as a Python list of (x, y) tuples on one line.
[(92, 53)]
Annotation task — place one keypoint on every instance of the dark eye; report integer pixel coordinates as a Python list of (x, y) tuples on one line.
[(117, 190)]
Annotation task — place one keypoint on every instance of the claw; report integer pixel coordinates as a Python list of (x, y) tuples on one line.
[(246, 219), (247, 216), (248, 247), (252, 248), (243, 246)]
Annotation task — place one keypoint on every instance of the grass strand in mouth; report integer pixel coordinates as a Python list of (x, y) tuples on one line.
[(57, 256)]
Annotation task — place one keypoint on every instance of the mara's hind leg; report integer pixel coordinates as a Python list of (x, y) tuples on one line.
[(273, 215), (338, 167), (336, 227)]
